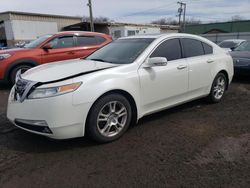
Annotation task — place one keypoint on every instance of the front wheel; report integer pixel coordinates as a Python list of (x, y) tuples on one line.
[(23, 68), (109, 118), (218, 88)]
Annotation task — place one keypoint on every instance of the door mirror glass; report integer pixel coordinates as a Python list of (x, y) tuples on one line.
[(47, 46), (156, 61)]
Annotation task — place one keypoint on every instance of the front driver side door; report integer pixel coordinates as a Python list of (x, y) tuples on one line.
[(164, 86), (62, 49)]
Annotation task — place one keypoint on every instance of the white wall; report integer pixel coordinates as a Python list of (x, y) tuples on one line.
[(8, 30), (30, 30), (138, 30)]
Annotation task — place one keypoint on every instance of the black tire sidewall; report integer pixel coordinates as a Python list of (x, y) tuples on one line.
[(91, 125), (13, 73)]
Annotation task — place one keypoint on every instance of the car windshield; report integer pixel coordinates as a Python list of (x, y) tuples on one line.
[(228, 44), (37, 42), (245, 46), (121, 51)]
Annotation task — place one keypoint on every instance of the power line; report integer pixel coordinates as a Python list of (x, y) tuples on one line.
[(145, 11)]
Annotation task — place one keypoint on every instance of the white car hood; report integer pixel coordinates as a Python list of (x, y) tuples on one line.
[(64, 69)]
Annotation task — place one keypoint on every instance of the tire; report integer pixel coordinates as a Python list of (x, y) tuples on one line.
[(218, 88), (103, 123), (12, 76)]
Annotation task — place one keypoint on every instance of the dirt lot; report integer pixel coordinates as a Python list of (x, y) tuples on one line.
[(194, 145)]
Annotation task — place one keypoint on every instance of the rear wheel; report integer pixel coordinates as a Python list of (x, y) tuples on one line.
[(218, 88), (109, 118), (23, 68)]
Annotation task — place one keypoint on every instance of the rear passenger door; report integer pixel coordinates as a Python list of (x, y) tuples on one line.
[(87, 44), (199, 56)]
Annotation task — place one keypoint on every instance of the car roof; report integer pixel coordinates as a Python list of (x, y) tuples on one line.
[(79, 33), (155, 36)]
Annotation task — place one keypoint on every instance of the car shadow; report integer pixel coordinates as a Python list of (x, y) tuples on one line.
[(5, 86), (26, 142), (241, 79)]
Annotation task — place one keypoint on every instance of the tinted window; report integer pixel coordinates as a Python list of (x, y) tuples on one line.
[(121, 51), (100, 40), (170, 49), (62, 42), (192, 47), (87, 41), (228, 44), (207, 48)]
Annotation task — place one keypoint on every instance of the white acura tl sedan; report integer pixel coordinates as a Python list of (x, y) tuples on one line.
[(118, 84)]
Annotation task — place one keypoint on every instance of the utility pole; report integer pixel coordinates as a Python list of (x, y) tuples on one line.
[(184, 17), (182, 9), (91, 16)]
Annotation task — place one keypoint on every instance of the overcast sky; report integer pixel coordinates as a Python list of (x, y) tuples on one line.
[(138, 11)]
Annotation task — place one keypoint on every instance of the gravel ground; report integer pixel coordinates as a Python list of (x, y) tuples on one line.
[(193, 145)]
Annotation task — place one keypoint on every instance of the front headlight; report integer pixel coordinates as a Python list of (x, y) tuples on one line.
[(4, 56), (54, 91)]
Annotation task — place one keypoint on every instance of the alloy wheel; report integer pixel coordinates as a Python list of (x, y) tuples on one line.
[(112, 118)]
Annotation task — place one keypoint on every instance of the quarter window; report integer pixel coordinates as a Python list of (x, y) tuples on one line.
[(192, 47), (207, 48), (170, 49)]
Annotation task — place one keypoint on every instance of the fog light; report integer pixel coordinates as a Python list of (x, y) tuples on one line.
[(34, 125)]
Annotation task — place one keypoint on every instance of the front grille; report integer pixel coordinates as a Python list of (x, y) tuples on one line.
[(20, 87)]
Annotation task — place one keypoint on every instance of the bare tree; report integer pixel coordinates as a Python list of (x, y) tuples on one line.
[(237, 18), (171, 21), (97, 19), (165, 21)]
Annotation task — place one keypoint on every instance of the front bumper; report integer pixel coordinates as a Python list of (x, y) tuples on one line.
[(63, 119)]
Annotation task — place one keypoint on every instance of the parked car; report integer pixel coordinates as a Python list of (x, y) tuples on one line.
[(117, 85), (49, 48), (231, 44), (241, 58)]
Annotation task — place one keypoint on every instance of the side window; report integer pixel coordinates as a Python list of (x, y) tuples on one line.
[(100, 40), (192, 47), (171, 49), (62, 42), (87, 41), (207, 48)]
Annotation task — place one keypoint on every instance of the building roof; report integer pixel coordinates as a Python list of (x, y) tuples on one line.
[(40, 14), (223, 27)]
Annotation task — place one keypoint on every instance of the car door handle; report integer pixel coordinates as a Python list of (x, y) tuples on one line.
[(71, 53), (180, 67), (210, 61)]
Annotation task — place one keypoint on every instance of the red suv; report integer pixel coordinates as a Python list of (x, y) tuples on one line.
[(49, 48)]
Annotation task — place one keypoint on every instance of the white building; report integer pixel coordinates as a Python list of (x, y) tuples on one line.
[(23, 26), (118, 30)]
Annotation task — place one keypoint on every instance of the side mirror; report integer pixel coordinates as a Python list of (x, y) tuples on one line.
[(47, 47), (156, 61)]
